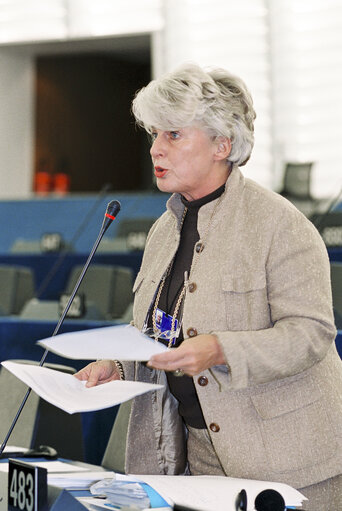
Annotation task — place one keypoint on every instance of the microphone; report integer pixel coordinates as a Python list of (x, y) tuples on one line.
[(269, 500), (113, 209)]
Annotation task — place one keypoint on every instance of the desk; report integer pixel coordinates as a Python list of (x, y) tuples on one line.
[(54, 492)]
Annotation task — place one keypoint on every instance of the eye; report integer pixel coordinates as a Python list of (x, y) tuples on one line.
[(153, 136), (174, 134)]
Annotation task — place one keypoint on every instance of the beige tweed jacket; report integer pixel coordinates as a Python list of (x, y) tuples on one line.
[(274, 411)]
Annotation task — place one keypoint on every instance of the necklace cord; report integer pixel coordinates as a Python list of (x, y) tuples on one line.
[(182, 294)]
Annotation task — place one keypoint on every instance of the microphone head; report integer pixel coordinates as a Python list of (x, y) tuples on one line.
[(269, 500), (113, 208)]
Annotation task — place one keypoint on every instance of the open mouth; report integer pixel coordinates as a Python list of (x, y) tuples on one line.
[(159, 171)]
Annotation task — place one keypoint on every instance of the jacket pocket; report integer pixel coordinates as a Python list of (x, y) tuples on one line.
[(295, 426), (244, 283), (245, 298)]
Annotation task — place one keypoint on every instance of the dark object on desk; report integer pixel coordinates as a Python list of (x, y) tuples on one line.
[(269, 500), (241, 501), (43, 451)]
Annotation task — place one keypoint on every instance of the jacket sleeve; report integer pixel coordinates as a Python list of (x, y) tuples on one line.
[(300, 306)]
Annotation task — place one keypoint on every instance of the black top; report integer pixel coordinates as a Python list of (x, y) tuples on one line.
[(183, 387)]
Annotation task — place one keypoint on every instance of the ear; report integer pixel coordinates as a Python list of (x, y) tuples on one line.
[(223, 148)]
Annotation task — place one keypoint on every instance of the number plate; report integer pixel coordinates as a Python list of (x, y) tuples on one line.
[(27, 487)]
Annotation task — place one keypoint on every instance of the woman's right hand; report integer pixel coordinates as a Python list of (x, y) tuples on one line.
[(96, 373)]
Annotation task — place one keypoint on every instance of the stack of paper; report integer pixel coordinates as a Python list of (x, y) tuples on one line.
[(213, 493)]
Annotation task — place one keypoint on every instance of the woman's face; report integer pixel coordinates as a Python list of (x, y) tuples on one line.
[(188, 161)]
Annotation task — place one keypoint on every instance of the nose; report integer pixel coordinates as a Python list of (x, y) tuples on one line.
[(158, 147)]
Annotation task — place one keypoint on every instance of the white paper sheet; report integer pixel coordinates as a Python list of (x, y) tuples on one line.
[(78, 480), (70, 394), (123, 342), (213, 493)]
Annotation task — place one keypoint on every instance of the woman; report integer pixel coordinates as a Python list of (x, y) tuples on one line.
[(236, 280)]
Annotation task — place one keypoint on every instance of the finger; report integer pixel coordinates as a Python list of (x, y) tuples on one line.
[(93, 378), (83, 374), (165, 358), (80, 375), (168, 365)]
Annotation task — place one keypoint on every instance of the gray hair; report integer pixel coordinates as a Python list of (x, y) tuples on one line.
[(215, 100)]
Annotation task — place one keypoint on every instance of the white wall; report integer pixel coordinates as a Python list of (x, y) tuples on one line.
[(16, 124), (289, 52), (307, 83), (228, 34)]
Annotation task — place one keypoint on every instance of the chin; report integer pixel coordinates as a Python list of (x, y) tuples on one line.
[(164, 187)]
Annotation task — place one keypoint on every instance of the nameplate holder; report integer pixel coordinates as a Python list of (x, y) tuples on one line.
[(52, 242), (77, 307), (27, 487), (136, 241), (332, 236)]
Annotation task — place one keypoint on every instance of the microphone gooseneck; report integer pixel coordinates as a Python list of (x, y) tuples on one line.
[(113, 209)]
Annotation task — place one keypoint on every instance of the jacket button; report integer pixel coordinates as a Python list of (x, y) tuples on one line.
[(203, 381), (199, 247), (192, 287), (191, 332), (214, 427)]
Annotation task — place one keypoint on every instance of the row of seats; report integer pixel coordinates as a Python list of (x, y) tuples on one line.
[(105, 294), (106, 291)]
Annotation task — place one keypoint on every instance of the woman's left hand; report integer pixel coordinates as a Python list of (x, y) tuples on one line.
[(192, 356)]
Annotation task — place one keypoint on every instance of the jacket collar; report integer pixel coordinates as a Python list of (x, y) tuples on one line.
[(227, 206)]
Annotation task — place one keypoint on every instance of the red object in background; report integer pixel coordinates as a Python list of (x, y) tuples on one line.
[(61, 183), (42, 183)]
